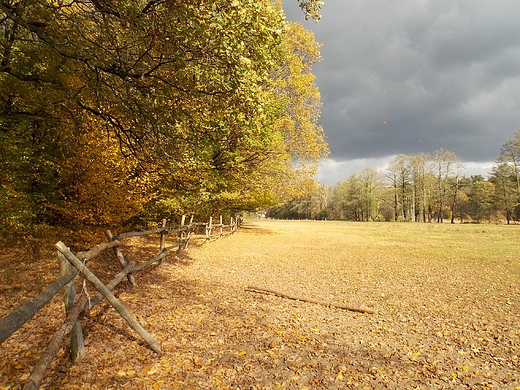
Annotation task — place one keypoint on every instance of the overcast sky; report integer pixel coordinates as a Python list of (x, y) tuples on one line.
[(414, 76)]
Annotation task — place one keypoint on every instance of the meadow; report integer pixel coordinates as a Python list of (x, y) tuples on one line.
[(446, 300)]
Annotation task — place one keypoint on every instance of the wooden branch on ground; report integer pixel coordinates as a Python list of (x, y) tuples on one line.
[(134, 324), (261, 290), (38, 372)]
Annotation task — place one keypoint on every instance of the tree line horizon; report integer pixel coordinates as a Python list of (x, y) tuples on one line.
[(420, 188)]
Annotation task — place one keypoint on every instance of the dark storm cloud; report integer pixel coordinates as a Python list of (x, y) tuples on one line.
[(413, 76)]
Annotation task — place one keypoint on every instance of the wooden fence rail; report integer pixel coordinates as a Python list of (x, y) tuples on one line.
[(76, 307)]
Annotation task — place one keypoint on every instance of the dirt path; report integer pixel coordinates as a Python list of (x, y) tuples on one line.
[(438, 324)]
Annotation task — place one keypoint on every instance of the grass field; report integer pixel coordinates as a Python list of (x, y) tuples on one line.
[(446, 300)]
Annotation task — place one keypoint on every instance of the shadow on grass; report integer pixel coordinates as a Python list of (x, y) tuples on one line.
[(251, 228)]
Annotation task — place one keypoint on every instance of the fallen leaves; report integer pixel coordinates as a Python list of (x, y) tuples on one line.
[(431, 330)]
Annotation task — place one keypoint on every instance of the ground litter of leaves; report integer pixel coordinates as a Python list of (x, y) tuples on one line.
[(446, 317)]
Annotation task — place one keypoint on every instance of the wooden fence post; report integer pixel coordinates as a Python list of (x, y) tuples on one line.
[(38, 372), (181, 235), (221, 228), (77, 346), (154, 345), (188, 234), (231, 226), (121, 258), (208, 229), (163, 239)]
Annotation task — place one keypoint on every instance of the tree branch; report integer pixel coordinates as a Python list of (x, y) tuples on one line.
[(261, 290)]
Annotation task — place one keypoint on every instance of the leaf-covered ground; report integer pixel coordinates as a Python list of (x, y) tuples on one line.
[(447, 302)]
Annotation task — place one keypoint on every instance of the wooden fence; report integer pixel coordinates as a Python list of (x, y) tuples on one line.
[(72, 264)]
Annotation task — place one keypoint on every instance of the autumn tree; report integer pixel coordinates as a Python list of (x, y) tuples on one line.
[(185, 96), (295, 91), (429, 189), (399, 177), (506, 199), (371, 187), (285, 167), (419, 170), (446, 166), (506, 177), (481, 198), (311, 8), (349, 197)]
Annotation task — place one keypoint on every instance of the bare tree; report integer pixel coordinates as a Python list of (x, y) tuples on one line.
[(447, 165), (399, 174), (420, 166)]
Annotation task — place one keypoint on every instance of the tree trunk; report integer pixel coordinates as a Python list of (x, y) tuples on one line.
[(454, 203)]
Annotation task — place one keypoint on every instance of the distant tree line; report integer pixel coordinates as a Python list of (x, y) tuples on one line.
[(419, 188)]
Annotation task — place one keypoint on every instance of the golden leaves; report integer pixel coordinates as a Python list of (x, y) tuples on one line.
[(216, 336)]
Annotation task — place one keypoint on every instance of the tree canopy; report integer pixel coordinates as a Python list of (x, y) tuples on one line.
[(113, 110)]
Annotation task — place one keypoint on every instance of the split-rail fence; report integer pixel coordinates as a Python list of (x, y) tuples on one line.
[(72, 264)]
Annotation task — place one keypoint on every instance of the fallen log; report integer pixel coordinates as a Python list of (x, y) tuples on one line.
[(261, 290)]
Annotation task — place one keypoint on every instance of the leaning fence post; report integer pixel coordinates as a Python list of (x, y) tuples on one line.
[(154, 345), (208, 229), (162, 241), (77, 347), (235, 226), (121, 258), (181, 235), (188, 234)]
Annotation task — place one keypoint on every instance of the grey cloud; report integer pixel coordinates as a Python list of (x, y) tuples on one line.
[(443, 73)]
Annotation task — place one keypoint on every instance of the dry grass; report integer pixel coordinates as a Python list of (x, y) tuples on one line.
[(447, 299)]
